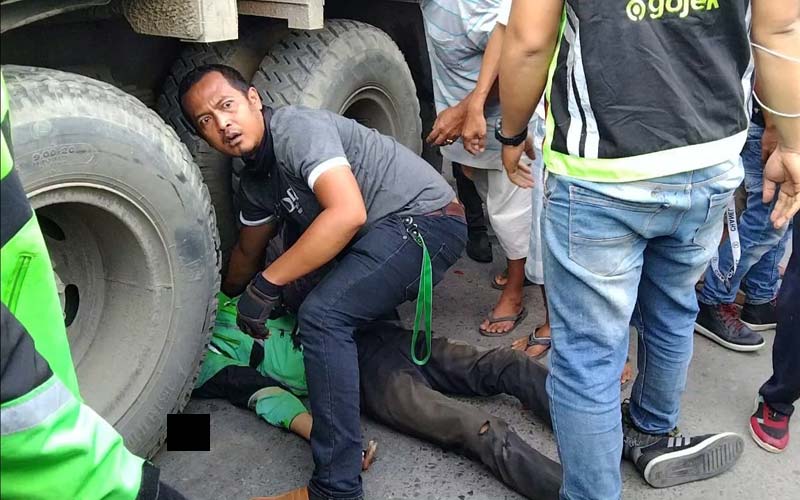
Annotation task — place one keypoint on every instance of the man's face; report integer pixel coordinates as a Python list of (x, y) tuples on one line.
[(230, 121)]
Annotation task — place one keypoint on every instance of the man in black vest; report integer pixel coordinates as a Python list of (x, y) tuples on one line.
[(647, 113), (363, 203)]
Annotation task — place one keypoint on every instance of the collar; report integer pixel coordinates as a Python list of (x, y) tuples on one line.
[(264, 158)]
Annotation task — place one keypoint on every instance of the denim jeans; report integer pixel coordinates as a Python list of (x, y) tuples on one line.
[(762, 245), (616, 253), (377, 273)]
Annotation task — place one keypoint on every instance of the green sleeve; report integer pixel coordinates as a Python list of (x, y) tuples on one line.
[(278, 406)]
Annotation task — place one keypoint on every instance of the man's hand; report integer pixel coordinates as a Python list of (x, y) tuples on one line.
[(769, 141), (448, 125), (474, 133), (255, 305), (518, 172), (783, 167)]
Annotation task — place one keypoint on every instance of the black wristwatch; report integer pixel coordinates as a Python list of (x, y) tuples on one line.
[(508, 141)]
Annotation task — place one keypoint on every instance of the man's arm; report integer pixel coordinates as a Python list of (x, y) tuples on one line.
[(528, 47), (247, 257), (776, 26), (474, 132), (342, 216)]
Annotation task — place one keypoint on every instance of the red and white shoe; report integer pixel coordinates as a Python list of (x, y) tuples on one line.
[(769, 429)]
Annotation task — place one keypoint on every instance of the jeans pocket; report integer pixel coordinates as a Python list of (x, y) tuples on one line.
[(600, 236), (708, 234)]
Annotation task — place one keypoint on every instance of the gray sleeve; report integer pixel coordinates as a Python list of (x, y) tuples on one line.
[(311, 145)]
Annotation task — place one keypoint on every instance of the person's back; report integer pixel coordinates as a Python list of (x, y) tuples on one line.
[(647, 115), (662, 79)]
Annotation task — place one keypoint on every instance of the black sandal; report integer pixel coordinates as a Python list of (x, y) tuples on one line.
[(533, 340)]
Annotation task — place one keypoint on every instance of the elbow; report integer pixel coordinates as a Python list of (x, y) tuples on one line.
[(359, 218), (776, 26), (528, 45), (352, 220)]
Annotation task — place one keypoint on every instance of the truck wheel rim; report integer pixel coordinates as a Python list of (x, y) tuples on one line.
[(372, 107), (114, 267)]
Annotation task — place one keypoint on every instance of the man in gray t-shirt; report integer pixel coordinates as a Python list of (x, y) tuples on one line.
[(307, 143), (357, 202)]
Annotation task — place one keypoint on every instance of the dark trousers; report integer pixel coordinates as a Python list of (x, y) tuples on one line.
[(377, 273), (473, 206), (410, 398), (783, 387)]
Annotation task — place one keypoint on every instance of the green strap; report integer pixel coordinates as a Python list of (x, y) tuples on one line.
[(424, 303)]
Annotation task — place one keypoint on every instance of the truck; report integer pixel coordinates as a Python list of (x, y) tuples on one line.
[(137, 211)]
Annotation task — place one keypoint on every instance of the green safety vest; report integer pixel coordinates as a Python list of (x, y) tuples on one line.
[(51, 444)]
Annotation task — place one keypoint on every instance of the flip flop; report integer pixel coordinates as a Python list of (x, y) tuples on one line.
[(533, 340), (517, 319), (498, 286)]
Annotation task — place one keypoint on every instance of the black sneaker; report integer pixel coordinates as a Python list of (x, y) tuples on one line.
[(672, 459), (479, 248), (760, 317), (721, 324)]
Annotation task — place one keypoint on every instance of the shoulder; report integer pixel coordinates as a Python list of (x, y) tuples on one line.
[(294, 117)]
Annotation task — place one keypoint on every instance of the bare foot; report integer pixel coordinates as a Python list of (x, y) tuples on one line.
[(501, 279), (627, 373), (534, 351), (368, 455), (508, 305)]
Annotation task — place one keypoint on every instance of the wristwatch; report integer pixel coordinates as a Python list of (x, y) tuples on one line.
[(508, 141)]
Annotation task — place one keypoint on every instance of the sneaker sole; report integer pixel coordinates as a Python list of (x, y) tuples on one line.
[(724, 343), (708, 459), (760, 327)]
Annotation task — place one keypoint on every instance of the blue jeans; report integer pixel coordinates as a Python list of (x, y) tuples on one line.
[(380, 271), (607, 245), (762, 245)]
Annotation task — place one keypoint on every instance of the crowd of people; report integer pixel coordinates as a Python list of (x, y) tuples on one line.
[(606, 144), (607, 161)]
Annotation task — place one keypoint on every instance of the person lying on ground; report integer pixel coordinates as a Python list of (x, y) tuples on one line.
[(268, 377)]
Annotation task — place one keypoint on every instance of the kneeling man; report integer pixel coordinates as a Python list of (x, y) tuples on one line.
[(363, 203)]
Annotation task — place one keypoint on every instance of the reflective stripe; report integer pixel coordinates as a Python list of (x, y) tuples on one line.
[(747, 78), (35, 410), (575, 121), (592, 144), (646, 166)]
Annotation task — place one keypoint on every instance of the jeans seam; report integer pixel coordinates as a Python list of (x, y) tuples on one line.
[(642, 361), (553, 419)]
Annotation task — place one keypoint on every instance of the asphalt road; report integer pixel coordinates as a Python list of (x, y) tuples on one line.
[(250, 458)]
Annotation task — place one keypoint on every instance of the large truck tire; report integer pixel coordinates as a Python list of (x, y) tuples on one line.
[(244, 54), (348, 67), (131, 232)]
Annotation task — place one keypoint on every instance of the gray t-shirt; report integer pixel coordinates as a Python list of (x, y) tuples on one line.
[(308, 142)]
